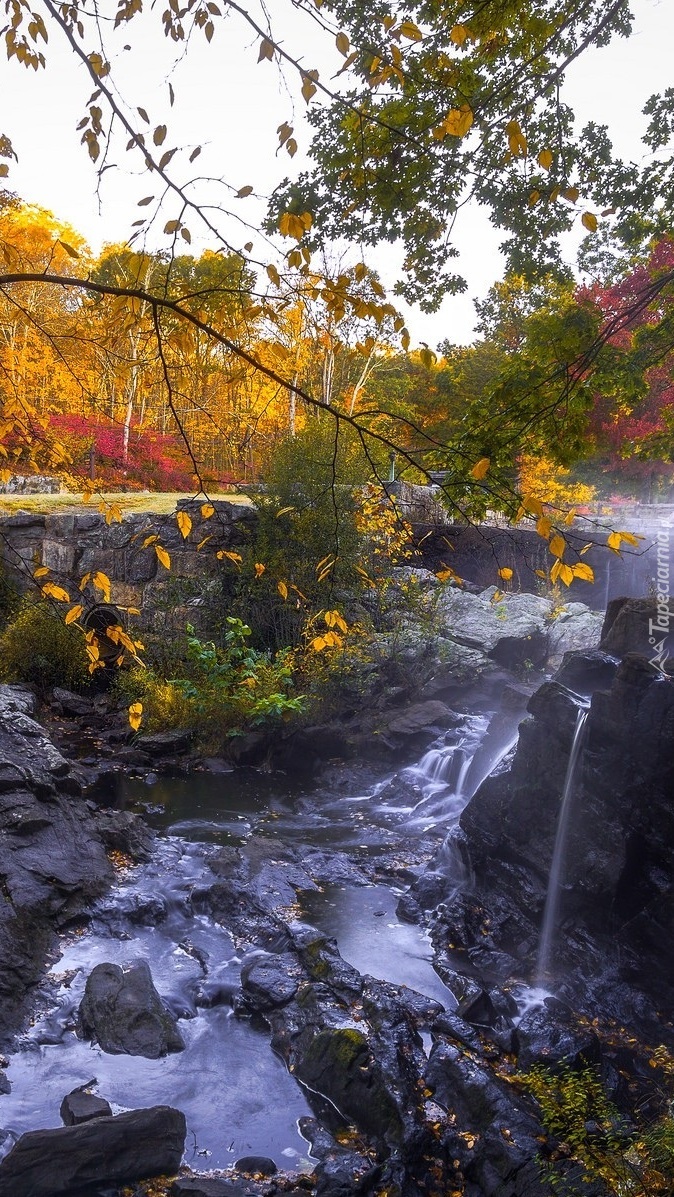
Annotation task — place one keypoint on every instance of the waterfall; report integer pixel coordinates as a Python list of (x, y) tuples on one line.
[(551, 912)]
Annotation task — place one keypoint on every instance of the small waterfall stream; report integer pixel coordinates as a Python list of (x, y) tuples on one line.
[(237, 1096), (551, 913)]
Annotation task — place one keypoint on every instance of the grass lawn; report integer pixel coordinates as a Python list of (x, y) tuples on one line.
[(134, 501)]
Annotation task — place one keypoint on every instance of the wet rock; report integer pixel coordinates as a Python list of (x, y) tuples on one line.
[(5, 1086), (420, 717), (72, 704), (574, 628), (123, 1012), (81, 1106), (269, 981), (261, 1164), (341, 1171), (207, 1186), (496, 1138), (16, 700), (122, 831), (585, 672), (339, 1064), (553, 1036), (627, 629), (165, 744), (128, 1147)]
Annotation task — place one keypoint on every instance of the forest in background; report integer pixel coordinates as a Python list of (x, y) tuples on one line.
[(92, 385)]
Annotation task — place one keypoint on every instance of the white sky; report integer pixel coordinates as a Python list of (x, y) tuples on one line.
[(232, 106)]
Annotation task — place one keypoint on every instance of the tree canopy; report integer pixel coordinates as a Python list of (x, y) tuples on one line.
[(419, 111)]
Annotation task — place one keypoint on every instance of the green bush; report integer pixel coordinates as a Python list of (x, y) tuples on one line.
[(598, 1151), (38, 647), (310, 535), (224, 691)]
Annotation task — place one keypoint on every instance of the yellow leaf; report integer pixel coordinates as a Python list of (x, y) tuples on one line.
[(102, 582), (557, 546), (282, 589), (458, 121), (589, 220), (629, 538), (41, 572), (480, 468), (207, 510), (51, 590), (284, 511), (554, 572), (613, 541), (565, 574), (74, 613), (274, 275), (226, 554), (586, 548), (583, 571), (540, 573), (517, 142), (544, 526), (244, 191), (571, 194), (545, 159), (203, 542), (497, 596), (427, 357), (84, 582), (259, 569), (459, 34), (184, 524), (135, 715), (317, 643), (506, 573), (534, 506), (411, 31), (266, 50), (534, 198), (342, 43), (570, 517), (163, 556), (309, 84), (72, 253)]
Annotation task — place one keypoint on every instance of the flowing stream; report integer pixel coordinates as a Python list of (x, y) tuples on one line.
[(237, 1096), (551, 912)]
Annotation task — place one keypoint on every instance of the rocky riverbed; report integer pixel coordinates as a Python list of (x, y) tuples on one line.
[(330, 986)]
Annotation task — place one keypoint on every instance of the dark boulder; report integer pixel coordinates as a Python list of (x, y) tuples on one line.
[(262, 1164), (123, 1012), (550, 1035), (167, 743), (105, 1151), (211, 1186), (81, 1106), (338, 1063), (270, 981)]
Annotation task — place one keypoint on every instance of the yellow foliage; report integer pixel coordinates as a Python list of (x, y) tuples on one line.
[(551, 484)]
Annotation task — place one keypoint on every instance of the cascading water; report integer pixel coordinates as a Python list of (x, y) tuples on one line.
[(551, 913)]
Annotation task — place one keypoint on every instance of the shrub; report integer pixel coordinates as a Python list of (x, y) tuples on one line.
[(225, 689), (37, 646), (596, 1147), (325, 533)]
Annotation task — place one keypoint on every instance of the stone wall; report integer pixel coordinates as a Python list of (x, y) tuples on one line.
[(35, 484), (73, 544)]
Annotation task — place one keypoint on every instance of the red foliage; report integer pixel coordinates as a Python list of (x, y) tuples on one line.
[(154, 461), (634, 437)]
